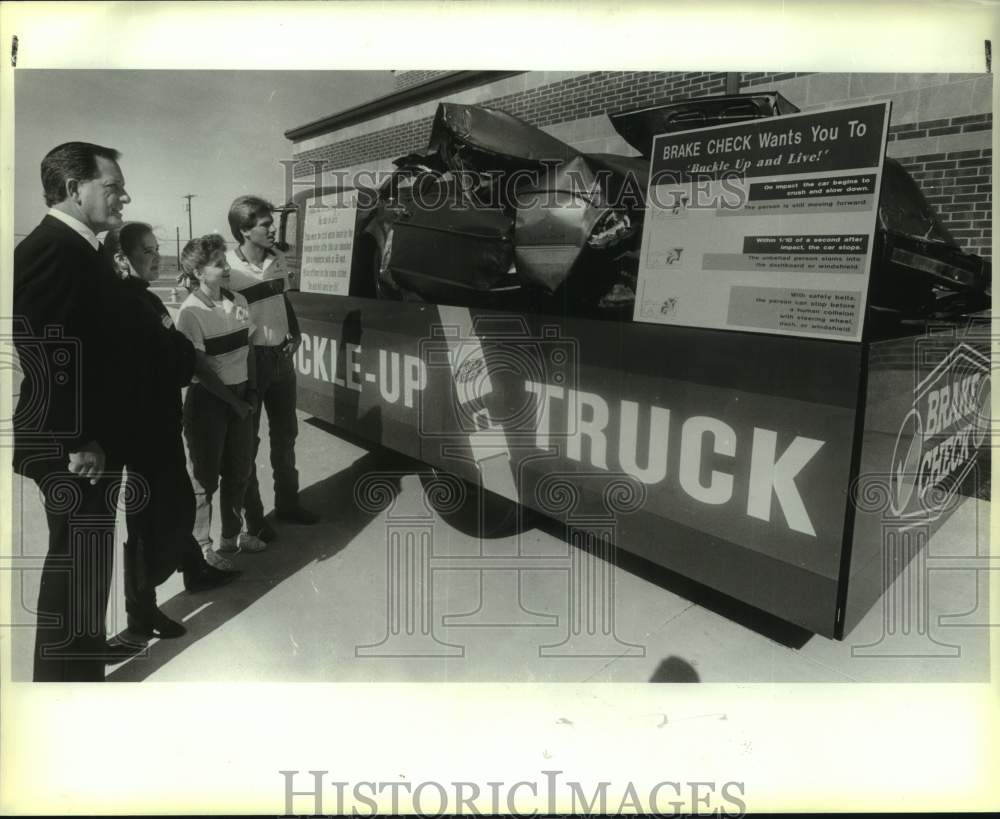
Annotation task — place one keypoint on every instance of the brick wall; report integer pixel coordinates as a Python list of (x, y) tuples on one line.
[(410, 79), (958, 186), (585, 95), (749, 79)]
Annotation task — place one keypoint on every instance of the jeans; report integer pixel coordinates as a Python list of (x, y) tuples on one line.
[(219, 446), (276, 391)]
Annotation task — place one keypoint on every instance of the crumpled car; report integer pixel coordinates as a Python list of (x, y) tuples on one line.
[(497, 212)]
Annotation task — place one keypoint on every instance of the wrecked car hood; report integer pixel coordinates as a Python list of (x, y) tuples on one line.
[(493, 133)]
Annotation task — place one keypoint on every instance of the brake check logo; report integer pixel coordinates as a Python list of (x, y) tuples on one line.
[(939, 436)]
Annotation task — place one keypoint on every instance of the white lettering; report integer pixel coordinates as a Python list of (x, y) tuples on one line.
[(352, 367), (319, 365), (333, 357), (720, 486), (944, 402), (544, 393), (628, 443), (770, 475), (415, 377), (303, 355), (388, 376), (591, 428), (932, 413)]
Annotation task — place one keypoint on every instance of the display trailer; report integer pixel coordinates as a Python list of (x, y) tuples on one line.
[(755, 388)]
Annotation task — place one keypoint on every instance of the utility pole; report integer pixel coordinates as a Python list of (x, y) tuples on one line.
[(189, 197), (178, 247)]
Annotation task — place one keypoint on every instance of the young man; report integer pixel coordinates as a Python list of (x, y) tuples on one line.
[(68, 421), (259, 274)]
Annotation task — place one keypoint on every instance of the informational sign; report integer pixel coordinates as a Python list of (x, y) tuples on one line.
[(328, 243), (766, 226)]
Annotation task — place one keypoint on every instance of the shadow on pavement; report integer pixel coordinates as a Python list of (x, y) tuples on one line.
[(675, 670), (295, 548)]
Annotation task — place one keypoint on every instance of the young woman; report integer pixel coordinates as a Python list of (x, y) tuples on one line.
[(218, 409)]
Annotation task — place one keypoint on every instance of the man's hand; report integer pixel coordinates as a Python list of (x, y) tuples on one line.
[(291, 344), (88, 461), (242, 408)]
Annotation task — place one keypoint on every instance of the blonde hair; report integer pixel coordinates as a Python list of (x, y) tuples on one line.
[(196, 255)]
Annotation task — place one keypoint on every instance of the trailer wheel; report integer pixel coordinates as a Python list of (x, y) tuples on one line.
[(469, 508)]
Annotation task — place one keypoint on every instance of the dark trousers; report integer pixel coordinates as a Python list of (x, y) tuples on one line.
[(159, 514), (276, 391), (70, 641), (219, 445)]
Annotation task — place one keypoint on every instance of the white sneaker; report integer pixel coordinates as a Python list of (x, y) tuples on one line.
[(217, 561), (251, 543), (229, 545)]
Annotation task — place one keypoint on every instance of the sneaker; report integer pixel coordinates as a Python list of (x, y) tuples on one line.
[(217, 561), (251, 543), (229, 545), (263, 532)]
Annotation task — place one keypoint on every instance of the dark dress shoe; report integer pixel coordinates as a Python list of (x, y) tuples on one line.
[(297, 514), (208, 577), (154, 624)]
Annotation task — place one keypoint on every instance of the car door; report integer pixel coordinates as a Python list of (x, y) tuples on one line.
[(445, 246)]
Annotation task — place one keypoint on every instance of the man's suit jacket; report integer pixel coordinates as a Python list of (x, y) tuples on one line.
[(70, 341)]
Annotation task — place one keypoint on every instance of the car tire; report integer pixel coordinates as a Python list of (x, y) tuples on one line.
[(469, 508)]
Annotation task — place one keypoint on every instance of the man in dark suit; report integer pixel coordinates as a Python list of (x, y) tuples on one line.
[(67, 425)]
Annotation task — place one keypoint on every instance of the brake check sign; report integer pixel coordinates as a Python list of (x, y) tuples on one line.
[(766, 226)]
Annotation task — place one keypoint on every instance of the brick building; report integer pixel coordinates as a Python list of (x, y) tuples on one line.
[(940, 128)]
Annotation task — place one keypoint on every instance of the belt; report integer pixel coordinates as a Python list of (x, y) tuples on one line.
[(239, 389), (270, 349)]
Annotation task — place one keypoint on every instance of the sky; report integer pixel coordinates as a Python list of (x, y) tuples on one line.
[(216, 134)]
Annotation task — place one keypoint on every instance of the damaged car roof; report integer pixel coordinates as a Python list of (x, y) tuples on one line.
[(495, 132)]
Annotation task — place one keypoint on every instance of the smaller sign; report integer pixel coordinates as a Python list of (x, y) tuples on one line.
[(328, 244)]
